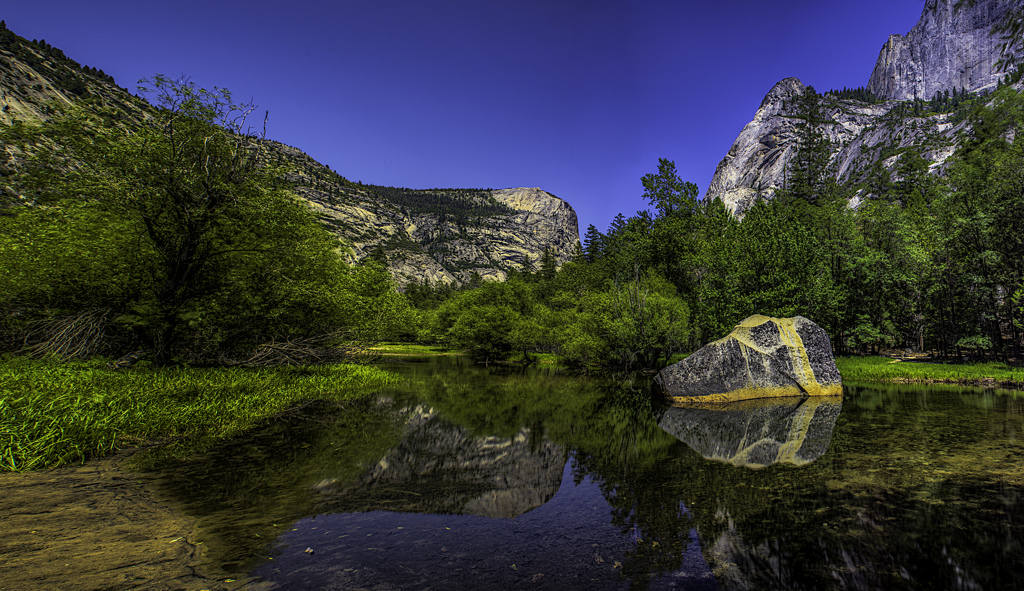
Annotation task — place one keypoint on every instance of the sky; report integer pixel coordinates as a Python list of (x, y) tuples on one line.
[(578, 97)]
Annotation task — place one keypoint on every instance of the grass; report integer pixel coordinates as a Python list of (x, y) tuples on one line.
[(412, 349), (417, 350), (59, 413), (882, 369)]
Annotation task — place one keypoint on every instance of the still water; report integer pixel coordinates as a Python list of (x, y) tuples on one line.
[(469, 478)]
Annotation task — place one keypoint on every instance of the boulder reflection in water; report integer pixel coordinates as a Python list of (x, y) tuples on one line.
[(757, 433)]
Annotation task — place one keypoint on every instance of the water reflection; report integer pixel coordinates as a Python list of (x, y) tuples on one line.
[(439, 467), (461, 480), (567, 543), (757, 433)]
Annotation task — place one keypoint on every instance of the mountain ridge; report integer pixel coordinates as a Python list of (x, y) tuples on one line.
[(864, 134), (37, 80)]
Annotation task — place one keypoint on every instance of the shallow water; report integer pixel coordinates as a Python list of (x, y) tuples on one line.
[(471, 478)]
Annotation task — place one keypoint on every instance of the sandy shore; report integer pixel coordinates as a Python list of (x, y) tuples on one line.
[(97, 526)]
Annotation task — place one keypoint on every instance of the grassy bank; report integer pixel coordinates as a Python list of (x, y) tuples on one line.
[(410, 349), (59, 413), (418, 350), (883, 369)]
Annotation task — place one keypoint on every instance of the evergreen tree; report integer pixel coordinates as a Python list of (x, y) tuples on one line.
[(809, 170), (593, 244)]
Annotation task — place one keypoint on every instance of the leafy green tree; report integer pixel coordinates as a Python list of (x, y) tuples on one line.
[(810, 169), (636, 324), (491, 322), (717, 305), (668, 194), (672, 242), (593, 244), (776, 266), (206, 255), (979, 256), (548, 266)]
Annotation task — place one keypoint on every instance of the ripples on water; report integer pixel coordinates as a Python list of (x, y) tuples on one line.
[(466, 478)]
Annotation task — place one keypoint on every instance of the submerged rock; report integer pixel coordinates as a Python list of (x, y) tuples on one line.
[(757, 433), (761, 358)]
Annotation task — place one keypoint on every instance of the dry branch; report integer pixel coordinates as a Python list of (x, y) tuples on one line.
[(73, 336)]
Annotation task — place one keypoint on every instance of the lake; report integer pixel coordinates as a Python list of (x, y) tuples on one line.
[(466, 477)]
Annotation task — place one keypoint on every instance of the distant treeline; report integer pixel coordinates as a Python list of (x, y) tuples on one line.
[(65, 80), (861, 94), (959, 103), (457, 205)]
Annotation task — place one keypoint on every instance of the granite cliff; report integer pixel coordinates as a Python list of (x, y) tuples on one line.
[(444, 236), (947, 50), (859, 133), (439, 235)]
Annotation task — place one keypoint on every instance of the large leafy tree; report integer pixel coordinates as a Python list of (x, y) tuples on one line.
[(672, 241), (201, 252)]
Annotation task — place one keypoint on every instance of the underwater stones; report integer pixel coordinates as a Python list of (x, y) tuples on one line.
[(761, 358)]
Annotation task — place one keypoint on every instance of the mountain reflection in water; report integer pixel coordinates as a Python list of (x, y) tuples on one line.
[(469, 478), (757, 433), (438, 467)]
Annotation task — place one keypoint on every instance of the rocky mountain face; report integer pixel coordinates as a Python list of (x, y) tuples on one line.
[(860, 134), (37, 78), (445, 236), (946, 50), (424, 246)]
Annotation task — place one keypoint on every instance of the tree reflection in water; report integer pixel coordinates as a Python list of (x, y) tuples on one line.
[(916, 487)]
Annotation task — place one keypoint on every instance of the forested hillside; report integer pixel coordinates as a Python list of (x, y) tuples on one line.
[(933, 263), (175, 231), (441, 235)]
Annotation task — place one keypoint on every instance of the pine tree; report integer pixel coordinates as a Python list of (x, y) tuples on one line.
[(810, 168), (593, 244)]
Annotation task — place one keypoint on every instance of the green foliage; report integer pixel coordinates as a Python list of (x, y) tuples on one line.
[(190, 242), (634, 325), (490, 323)]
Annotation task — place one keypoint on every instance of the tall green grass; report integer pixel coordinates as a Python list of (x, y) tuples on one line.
[(882, 369), (59, 413)]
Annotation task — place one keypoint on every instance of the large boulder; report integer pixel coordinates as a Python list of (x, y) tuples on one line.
[(761, 358)]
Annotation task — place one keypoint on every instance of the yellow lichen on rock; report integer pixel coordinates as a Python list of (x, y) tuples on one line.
[(756, 361)]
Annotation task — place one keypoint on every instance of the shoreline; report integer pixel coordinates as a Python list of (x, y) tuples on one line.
[(971, 382), (886, 370), (97, 525)]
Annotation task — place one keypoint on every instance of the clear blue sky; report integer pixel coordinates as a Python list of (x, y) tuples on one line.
[(578, 97)]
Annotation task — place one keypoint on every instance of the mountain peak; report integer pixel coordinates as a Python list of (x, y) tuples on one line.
[(949, 48), (783, 89)]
